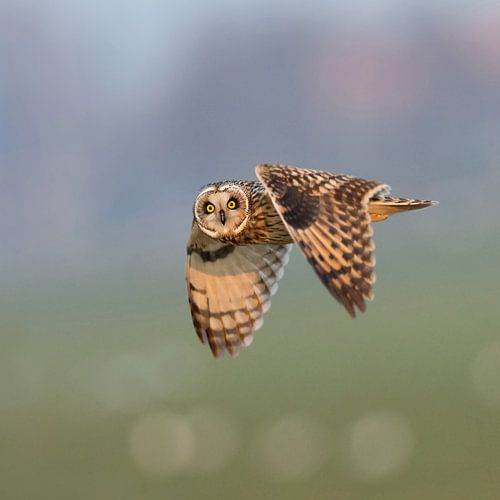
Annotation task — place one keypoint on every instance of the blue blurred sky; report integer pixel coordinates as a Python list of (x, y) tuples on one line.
[(112, 114)]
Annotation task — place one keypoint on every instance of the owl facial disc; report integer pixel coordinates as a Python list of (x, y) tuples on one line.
[(222, 210)]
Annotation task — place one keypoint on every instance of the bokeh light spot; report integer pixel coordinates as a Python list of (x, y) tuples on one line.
[(380, 444), (162, 444)]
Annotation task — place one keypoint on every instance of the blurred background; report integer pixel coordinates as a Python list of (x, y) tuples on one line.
[(112, 115)]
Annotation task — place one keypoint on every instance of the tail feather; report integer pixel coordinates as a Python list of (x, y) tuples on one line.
[(382, 208)]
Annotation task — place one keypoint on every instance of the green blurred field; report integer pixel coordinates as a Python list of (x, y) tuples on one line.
[(88, 353)]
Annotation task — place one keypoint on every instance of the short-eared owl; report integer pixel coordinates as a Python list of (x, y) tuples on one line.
[(240, 240)]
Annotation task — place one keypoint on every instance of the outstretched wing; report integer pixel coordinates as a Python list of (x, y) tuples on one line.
[(229, 288), (327, 216)]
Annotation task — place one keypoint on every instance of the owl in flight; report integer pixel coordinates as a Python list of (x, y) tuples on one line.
[(240, 240)]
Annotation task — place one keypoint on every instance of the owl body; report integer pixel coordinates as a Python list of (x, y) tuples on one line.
[(240, 241)]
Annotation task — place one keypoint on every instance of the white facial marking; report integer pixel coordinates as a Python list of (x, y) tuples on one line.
[(206, 190)]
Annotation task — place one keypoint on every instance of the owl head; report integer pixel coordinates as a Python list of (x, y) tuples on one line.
[(222, 210)]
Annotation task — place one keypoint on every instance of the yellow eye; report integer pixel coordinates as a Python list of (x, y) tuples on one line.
[(209, 208), (231, 204)]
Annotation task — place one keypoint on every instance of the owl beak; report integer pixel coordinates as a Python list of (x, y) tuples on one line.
[(222, 217)]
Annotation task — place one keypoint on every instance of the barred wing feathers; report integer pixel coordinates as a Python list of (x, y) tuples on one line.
[(230, 288), (327, 216)]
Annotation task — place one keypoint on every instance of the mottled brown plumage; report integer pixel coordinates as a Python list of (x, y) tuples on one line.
[(240, 239)]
